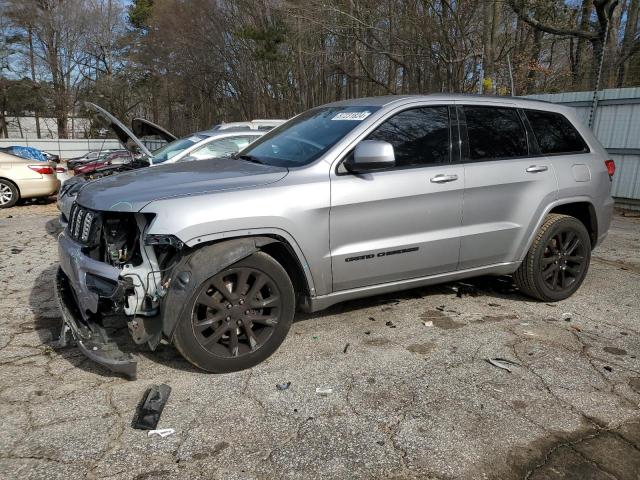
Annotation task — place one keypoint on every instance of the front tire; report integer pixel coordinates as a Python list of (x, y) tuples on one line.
[(558, 260), (9, 194), (237, 317)]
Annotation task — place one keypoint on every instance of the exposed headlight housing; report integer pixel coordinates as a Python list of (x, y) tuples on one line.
[(86, 227)]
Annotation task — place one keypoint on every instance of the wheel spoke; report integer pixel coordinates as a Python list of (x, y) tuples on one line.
[(222, 288), (554, 281), (264, 303), (550, 271), (234, 348), (260, 280), (572, 247), (563, 279), (242, 284), (268, 320), (251, 336), (207, 300), (575, 271), (575, 258), (568, 238), (217, 335)]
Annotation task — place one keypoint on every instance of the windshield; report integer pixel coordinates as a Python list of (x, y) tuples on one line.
[(306, 137), (174, 148)]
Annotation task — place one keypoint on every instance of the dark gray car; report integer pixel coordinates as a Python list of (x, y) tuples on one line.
[(351, 199)]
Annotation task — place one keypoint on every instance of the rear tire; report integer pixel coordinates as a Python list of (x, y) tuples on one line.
[(237, 317), (9, 194), (558, 260)]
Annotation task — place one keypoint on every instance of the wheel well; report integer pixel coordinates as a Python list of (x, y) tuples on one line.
[(584, 212), (285, 256), (12, 183)]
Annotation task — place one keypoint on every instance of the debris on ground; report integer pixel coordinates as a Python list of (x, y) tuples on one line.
[(608, 368), (324, 390), (576, 328), (466, 289), (493, 304), (372, 319), (162, 432), (390, 324), (346, 347), (283, 386), (150, 407), (368, 332), (315, 337), (441, 308), (502, 363), (15, 250), (566, 317), (428, 324)]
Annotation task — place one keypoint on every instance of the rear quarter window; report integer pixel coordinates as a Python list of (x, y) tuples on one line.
[(555, 133)]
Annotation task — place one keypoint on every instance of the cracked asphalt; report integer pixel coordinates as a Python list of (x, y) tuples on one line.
[(413, 396)]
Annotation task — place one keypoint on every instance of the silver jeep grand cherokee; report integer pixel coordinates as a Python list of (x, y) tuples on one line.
[(347, 200)]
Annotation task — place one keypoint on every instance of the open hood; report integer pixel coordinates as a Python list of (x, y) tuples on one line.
[(145, 128), (128, 138)]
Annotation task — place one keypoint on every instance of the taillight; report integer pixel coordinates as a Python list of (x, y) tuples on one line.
[(60, 170), (611, 167), (41, 170)]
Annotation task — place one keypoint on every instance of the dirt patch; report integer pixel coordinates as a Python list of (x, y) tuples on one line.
[(634, 383), (615, 351), (447, 323), (422, 348)]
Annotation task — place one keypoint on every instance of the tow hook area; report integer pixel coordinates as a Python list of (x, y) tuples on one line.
[(91, 337)]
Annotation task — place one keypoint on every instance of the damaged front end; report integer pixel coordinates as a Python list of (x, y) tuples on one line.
[(109, 267)]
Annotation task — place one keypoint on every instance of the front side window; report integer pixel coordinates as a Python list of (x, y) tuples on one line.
[(555, 134), (172, 149), (307, 137), (419, 136), (223, 147), (495, 133)]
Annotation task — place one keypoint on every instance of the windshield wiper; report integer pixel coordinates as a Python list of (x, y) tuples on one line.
[(249, 158)]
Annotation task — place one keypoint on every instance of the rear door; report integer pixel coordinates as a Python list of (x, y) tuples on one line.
[(403, 222), (507, 183)]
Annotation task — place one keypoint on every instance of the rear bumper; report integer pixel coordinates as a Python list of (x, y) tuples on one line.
[(78, 304), (43, 187)]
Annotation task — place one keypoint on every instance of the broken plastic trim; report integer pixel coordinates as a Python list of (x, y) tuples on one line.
[(164, 240), (91, 337)]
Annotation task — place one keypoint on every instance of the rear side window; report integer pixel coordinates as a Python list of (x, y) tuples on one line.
[(495, 133), (419, 136), (555, 134)]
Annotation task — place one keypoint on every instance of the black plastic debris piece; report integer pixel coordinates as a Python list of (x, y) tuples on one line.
[(502, 363), (493, 304), (608, 368), (368, 332), (346, 347), (390, 324), (380, 442), (15, 250), (465, 289), (283, 386), (441, 308), (372, 319), (150, 407)]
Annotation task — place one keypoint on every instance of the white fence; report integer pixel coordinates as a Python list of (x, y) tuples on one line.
[(71, 148)]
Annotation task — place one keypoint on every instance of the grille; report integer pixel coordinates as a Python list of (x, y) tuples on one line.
[(82, 224)]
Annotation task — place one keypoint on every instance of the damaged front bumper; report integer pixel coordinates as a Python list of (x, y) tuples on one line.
[(81, 283)]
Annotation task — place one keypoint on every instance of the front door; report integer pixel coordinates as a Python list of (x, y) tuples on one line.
[(403, 222)]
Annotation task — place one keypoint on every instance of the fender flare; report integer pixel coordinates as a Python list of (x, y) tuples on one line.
[(218, 256), (557, 203)]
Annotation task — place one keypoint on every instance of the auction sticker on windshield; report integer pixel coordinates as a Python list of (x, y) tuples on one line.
[(357, 116)]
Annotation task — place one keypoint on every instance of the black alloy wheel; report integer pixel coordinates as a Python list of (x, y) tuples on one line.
[(236, 312), (235, 318), (557, 261)]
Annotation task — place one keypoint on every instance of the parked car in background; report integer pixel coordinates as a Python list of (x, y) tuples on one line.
[(88, 157), (117, 157), (63, 174), (28, 153), (264, 125), (199, 146), (347, 200), (21, 179), (51, 157)]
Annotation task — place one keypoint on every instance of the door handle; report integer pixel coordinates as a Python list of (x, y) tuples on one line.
[(537, 168), (444, 178)]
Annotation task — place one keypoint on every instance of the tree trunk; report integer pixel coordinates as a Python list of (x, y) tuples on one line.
[(581, 43), (32, 62), (630, 31)]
